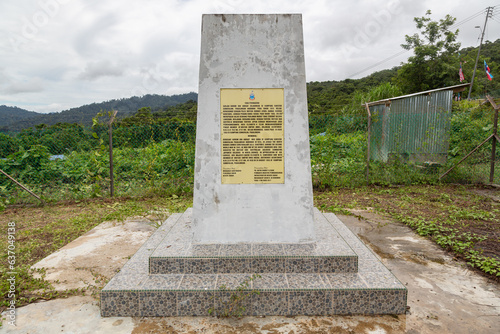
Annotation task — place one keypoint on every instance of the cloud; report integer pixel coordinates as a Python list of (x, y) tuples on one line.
[(30, 86), (94, 32), (104, 68), (5, 78)]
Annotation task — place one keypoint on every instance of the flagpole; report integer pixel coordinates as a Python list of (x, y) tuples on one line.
[(479, 50)]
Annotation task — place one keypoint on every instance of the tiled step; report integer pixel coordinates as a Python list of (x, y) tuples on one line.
[(227, 265), (371, 290), (278, 294), (177, 254)]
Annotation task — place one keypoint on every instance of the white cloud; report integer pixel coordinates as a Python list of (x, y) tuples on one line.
[(29, 86), (103, 68)]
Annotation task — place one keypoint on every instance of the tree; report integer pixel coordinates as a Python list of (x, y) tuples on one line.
[(435, 61), (383, 91), (8, 145)]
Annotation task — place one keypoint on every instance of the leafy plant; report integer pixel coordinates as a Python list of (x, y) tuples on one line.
[(487, 264)]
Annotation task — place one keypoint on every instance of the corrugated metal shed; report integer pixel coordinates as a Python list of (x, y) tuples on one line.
[(413, 127)]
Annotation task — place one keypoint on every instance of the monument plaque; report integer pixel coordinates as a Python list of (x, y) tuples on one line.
[(252, 138)]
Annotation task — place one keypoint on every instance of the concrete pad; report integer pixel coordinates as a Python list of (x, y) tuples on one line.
[(71, 316), (336, 275), (444, 297), (101, 251)]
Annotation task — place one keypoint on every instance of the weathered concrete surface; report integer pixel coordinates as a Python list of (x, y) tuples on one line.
[(252, 51), (72, 315), (444, 297), (99, 253)]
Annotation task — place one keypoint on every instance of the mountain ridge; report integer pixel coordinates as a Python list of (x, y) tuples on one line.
[(16, 119)]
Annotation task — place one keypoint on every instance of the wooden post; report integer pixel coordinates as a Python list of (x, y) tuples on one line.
[(494, 143), (468, 155), (111, 177), (21, 186), (368, 144)]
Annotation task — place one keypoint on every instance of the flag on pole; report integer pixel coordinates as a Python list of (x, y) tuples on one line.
[(487, 69), (461, 73)]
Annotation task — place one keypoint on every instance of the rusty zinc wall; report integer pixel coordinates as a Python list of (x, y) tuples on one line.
[(414, 128)]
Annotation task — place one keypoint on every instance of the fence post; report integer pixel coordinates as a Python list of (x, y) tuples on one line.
[(111, 177), (494, 143), (368, 144)]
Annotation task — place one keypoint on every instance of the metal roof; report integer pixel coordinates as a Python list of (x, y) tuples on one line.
[(456, 88)]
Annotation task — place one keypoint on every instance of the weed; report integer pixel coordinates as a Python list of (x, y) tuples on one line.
[(231, 303), (30, 286), (100, 282), (472, 213), (339, 210)]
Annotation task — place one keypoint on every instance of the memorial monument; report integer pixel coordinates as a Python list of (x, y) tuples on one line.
[(253, 172), (253, 205)]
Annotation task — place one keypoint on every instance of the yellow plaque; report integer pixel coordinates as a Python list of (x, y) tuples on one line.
[(252, 135)]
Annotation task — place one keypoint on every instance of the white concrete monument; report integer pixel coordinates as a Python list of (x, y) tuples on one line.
[(253, 202), (252, 171)]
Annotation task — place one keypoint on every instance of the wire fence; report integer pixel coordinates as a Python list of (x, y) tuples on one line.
[(72, 162)]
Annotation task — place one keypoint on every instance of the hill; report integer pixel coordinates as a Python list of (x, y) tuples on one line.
[(332, 96), (323, 97), (329, 96), (10, 115), (83, 115), (488, 50)]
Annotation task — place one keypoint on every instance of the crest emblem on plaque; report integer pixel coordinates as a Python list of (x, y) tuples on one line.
[(252, 96)]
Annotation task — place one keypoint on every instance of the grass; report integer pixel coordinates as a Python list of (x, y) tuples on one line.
[(39, 231)]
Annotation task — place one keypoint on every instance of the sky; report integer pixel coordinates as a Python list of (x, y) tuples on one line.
[(60, 54)]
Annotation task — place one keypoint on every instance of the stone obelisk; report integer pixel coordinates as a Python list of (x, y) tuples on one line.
[(252, 171)]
